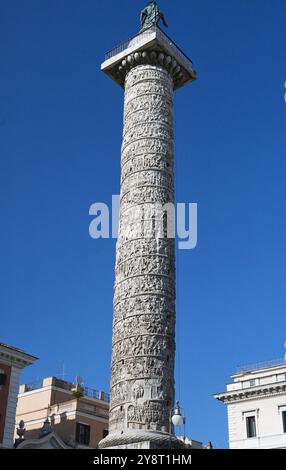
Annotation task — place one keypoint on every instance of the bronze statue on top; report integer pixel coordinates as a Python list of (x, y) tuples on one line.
[(151, 15)]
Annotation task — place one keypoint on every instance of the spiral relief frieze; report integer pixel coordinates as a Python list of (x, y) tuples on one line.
[(142, 370)]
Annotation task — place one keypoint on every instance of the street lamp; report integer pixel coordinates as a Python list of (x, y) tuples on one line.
[(178, 418)]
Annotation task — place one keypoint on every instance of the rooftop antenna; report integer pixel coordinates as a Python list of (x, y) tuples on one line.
[(79, 381), (63, 372)]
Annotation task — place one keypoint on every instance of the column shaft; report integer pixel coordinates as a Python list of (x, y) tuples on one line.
[(142, 383)]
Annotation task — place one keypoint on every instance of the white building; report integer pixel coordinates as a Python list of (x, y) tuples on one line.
[(256, 405), (12, 361)]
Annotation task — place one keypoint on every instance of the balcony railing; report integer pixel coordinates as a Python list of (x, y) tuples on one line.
[(121, 47), (34, 386), (125, 44), (92, 393), (261, 365), (64, 385)]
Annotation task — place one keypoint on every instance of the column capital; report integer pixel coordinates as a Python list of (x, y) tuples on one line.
[(153, 47)]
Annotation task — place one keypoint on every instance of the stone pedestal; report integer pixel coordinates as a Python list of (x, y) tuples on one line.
[(143, 345)]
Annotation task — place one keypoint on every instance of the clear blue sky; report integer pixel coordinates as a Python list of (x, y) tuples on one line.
[(60, 136)]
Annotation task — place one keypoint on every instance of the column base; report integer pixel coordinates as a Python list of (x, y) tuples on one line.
[(141, 440)]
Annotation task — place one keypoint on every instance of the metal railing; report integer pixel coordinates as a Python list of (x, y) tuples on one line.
[(105, 397), (261, 365), (116, 50), (34, 386), (125, 44), (91, 392), (178, 49), (64, 385)]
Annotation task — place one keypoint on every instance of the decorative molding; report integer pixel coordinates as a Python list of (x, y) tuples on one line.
[(150, 57), (50, 441), (251, 394)]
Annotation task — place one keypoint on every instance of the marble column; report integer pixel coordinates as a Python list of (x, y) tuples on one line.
[(143, 344)]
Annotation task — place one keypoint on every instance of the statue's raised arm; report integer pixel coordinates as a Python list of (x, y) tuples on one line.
[(151, 16)]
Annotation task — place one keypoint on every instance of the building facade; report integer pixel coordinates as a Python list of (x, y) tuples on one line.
[(77, 415), (256, 406), (12, 360)]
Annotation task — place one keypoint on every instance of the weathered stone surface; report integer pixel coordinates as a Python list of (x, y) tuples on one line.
[(149, 67), (152, 57), (142, 371)]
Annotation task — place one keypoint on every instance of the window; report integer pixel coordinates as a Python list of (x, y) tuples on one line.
[(250, 426), (105, 433), (284, 420), (82, 433), (2, 378)]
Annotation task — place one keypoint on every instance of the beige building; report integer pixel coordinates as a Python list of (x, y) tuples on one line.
[(78, 415), (12, 360)]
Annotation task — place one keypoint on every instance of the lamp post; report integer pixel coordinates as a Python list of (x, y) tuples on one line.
[(178, 418)]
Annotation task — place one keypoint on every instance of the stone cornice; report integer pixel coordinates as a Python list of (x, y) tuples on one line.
[(254, 393), (15, 357)]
